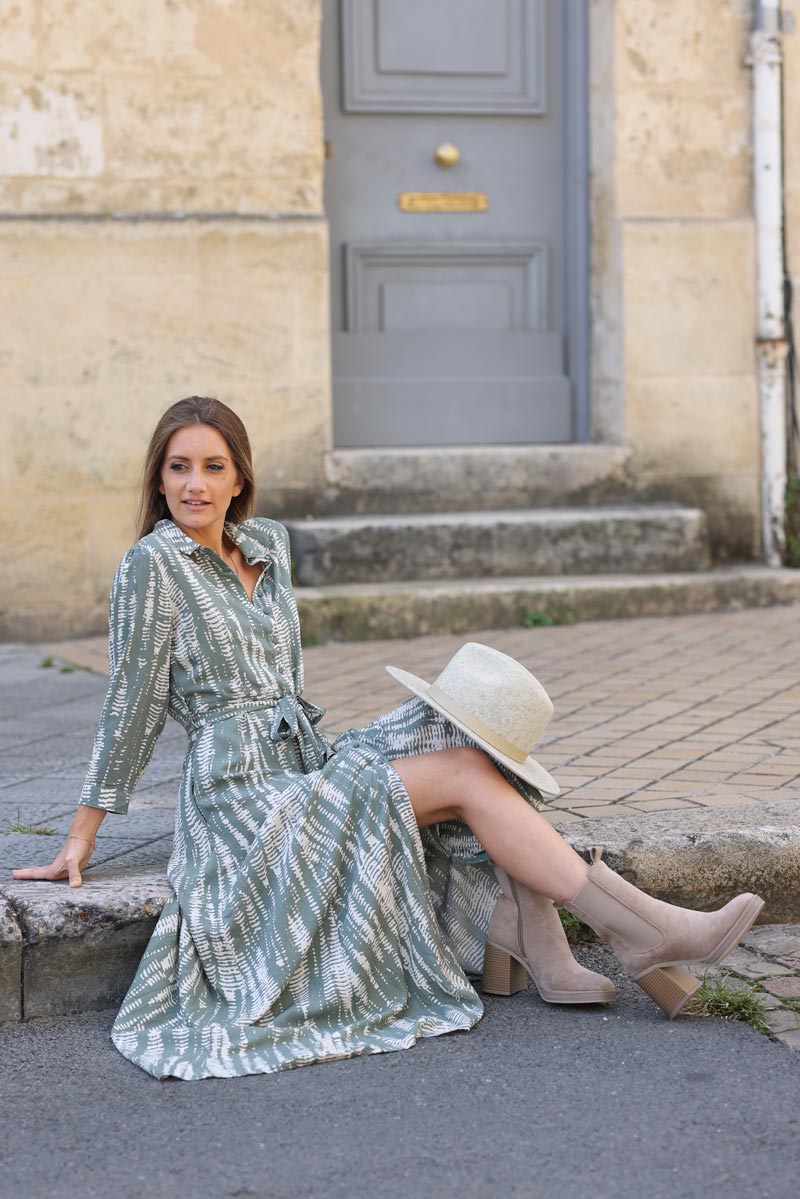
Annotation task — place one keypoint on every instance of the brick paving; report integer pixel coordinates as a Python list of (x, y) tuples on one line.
[(651, 714)]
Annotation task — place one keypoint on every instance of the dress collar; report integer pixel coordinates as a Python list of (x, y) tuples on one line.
[(253, 549)]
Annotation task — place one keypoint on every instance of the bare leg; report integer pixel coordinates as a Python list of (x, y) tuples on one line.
[(465, 782)]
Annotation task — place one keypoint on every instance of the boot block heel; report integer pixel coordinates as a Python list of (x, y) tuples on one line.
[(669, 987), (502, 974)]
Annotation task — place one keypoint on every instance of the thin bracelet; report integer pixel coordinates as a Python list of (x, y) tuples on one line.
[(77, 838)]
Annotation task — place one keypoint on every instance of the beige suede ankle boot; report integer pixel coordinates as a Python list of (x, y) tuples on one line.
[(653, 939), (526, 934)]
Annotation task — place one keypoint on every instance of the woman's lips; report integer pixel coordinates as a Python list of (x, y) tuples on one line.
[(196, 503)]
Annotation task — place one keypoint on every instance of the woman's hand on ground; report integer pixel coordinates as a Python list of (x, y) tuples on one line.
[(68, 862)]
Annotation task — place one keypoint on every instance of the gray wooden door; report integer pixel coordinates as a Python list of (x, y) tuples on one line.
[(451, 314)]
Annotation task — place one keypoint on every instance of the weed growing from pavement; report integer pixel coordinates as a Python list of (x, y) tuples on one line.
[(16, 826), (738, 1003), (571, 923), (540, 619), (66, 667)]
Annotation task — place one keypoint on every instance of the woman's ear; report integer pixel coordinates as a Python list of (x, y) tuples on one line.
[(239, 485)]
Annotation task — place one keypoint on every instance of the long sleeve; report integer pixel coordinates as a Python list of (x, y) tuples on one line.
[(277, 539), (134, 712)]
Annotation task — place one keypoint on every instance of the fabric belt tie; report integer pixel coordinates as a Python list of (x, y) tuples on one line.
[(293, 714)]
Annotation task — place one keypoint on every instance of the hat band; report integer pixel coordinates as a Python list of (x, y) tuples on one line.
[(483, 730)]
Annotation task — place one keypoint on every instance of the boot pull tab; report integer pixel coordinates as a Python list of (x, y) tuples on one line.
[(596, 853)]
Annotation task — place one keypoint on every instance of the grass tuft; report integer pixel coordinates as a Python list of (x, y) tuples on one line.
[(570, 923), (17, 826), (540, 619), (738, 1003)]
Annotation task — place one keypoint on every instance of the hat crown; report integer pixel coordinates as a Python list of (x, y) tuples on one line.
[(499, 692)]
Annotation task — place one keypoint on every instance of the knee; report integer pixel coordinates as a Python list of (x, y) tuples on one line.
[(471, 758), (470, 766)]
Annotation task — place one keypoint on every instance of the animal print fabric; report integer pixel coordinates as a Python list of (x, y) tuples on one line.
[(310, 918)]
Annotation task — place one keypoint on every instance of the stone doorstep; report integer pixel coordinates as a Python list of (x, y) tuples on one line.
[(68, 950), (455, 478)]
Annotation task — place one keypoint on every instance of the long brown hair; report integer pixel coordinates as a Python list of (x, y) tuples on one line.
[(195, 410)]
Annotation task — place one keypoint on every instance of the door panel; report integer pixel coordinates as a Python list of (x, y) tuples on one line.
[(444, 390), (448, 56), (398, 287)]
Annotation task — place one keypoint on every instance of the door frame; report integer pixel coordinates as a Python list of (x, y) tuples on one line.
[(576, 315), (577, 319)]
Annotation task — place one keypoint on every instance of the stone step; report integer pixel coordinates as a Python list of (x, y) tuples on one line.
[(465, 478), (364, 611), (640, 538)]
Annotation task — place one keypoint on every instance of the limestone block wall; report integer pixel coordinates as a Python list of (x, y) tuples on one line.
[(161, 234), (674, 301), (160, 106)]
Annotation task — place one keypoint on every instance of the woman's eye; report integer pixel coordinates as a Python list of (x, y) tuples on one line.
[(176, 466)]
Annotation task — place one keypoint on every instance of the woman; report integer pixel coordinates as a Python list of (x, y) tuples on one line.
[(329, 899)]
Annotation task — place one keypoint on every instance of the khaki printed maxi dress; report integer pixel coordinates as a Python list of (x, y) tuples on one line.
[(311, 918)]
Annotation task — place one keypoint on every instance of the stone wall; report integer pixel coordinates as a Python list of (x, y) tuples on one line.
[(160, 106), (673, 286), (163, 235)]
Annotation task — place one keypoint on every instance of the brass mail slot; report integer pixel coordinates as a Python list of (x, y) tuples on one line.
[(443, 201)]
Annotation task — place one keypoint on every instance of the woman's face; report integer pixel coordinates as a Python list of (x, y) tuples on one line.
[(199, 478)]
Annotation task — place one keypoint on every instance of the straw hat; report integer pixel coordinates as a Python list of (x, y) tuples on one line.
[(495, 701)]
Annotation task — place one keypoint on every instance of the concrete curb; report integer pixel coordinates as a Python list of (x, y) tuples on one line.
[(702, 858), (66, 950)]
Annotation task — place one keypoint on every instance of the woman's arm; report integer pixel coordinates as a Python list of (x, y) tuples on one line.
[(134, 710), (135, 707)]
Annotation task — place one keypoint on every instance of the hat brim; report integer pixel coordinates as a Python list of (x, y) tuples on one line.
[(530, 769)]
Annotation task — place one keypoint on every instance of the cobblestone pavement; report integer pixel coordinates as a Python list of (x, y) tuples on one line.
[(767, 964)]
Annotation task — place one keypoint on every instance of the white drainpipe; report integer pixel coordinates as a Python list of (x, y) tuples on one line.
[(771, 346)]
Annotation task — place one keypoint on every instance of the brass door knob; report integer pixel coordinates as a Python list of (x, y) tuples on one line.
[(446, 155)]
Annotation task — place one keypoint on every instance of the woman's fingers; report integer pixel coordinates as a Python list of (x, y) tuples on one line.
[(66, 863), (42, 872)]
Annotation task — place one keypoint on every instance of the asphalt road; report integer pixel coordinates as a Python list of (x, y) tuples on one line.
[(536, 1100)]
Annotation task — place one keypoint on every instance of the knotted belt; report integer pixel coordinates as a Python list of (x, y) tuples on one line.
[(293, 714)]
